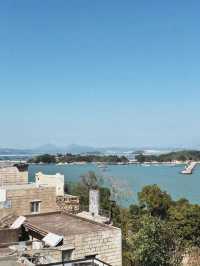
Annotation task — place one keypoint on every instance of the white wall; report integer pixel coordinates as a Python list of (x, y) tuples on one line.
[(56, 180)]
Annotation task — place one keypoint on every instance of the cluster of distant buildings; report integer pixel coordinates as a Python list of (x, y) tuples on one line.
[(41, 225)]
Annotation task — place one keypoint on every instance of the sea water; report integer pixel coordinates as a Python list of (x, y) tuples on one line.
[(132, 178)]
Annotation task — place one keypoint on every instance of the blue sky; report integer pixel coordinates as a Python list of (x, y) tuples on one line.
[(101, 73)]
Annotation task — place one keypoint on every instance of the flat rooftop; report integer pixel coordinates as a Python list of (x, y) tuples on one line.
[(26, 186), (9, 261), (65, 224), (8, 257)]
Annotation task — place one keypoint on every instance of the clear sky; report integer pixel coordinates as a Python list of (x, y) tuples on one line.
[(101, 73)]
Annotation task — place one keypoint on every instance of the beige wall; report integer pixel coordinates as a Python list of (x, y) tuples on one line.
[(12, 176), (107, 244), (23, 177), (21, 199)]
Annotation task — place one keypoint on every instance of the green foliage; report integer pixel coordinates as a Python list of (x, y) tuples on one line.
[(156, 231), (45, 158), (185, 218), (155, 201), (184, 155), (71, 158), (87, 182), (153, 245), (105, 198), (91, 181)]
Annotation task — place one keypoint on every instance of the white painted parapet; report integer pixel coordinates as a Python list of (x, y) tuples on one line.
[(56, 180)]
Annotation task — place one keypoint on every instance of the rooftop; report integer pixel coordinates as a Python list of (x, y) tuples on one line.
[(26, 186), (65, 224), (9, 261), (8, 257)]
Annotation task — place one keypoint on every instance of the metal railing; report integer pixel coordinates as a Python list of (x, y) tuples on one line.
[(80, 262)]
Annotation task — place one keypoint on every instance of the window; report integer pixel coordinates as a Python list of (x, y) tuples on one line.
[(66, 255), (35, 207)]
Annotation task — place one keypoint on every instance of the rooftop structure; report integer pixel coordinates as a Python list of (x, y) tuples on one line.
[(61, 223), (81, 237), (56, 180), (93, 211), (13, 174), (18, 196), (70, 239), (28, 199), (31, 213)]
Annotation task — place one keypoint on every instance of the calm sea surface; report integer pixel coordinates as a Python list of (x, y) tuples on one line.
[(132, 178)]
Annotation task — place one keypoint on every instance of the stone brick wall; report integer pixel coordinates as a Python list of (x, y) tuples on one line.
[(9, 235), (54, 253), (22, 198), (68, 203), (12, 176), (106, 244), (23, 177)]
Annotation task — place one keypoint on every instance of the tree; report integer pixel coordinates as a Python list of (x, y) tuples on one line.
[(88, 181), (154, 200), (155, 244), (105, 203), (45, 158), (186, 219), (91, 180), (140, 158)]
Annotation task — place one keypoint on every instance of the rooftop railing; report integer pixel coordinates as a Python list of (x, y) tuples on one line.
[(80, 262)]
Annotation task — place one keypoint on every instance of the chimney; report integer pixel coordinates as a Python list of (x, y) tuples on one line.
[(94, 202)]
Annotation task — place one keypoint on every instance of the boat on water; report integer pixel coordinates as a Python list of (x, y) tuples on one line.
[(102, 166), (145, 165), (188, 170)]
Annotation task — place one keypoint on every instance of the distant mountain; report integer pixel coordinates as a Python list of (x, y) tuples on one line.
[(8, 151), (73, 148), (48, 148), (76, 149)]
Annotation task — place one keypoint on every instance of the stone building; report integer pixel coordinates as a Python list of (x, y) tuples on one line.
[(81, 238), (64, 201), (80, 242), (28, 199), (14, 174), (51, 236), (19, 197)]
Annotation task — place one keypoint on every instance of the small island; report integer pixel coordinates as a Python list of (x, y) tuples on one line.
[(69, 158), (183, 156)]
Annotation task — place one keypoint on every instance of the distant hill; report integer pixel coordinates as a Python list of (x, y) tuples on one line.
[(80, 149), (8, 151), (183, 155), (73, 148)]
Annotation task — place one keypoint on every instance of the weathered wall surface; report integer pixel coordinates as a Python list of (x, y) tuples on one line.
[(68, 203), (5, 212), (106, 244), (9, 236), (23, 177), (56, 180), (22, 198), (12, 176)]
